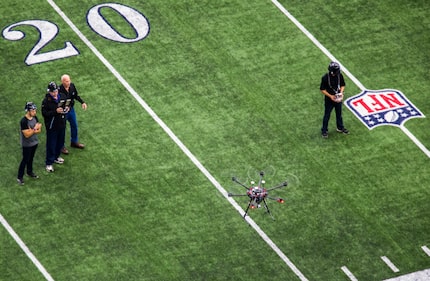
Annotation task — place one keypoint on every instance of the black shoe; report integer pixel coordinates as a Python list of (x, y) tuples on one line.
[(344, 131), (324, 135), (33, 175), (20, 181)]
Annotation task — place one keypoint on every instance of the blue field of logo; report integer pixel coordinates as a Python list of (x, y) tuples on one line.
[(382, 107)]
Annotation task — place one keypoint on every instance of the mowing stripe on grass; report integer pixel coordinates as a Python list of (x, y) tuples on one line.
[(348, 273), (344, 69), (25, 249), (317, 43), (177, 141), (390, 264)]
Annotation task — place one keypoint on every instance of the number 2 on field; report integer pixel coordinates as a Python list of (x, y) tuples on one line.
[(48, 31)]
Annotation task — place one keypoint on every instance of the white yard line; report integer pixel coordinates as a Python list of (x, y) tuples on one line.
[(426, 250), (348, 273), (344, 69), (390, 264), (25, 249)]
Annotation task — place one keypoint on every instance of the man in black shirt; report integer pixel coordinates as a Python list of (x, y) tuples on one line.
[(332, 87), (30, 128), (69, 89), (54, 111)]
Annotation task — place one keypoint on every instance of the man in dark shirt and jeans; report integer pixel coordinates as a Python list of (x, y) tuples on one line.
[(332, 87), (69, 89), (54, 109)]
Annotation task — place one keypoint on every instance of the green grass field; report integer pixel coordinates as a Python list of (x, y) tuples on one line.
[(238, 84)]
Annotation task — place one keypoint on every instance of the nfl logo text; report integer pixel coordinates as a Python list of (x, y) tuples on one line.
[(382, 107)]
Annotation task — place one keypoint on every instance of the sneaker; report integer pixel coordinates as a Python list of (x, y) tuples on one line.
[(324, 135), (33, 175), (49, 168), (20, 181), (59, 160), (344, 131)]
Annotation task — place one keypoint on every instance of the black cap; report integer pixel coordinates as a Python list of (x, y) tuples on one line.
[(334, 68), (29, 106), (52, 86)]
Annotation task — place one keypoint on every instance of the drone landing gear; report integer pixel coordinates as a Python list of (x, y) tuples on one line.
[(252, 205)]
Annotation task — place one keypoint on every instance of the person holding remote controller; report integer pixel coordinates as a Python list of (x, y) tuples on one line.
[(54, 109), (332, 87)]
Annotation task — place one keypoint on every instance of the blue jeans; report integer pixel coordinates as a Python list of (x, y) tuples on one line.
[(71, 117)]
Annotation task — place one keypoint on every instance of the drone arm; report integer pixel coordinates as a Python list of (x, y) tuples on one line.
[(231, 194), (278, 199), (278, 186), (236, 181), (261, 178)]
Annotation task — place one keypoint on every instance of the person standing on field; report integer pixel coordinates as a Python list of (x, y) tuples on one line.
[(69, 89), (30, 128), (54, 111), (332, 87)]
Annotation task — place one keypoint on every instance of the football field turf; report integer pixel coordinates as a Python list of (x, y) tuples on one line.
[(184, 95)]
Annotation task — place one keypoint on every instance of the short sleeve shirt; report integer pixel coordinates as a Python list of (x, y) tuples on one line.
[(332, 83), (28, 124)]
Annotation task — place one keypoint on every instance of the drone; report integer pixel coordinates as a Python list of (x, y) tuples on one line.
[(258, 193)]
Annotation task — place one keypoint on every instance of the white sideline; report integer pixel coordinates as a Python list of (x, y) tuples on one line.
[(344, 69), (423, 275)]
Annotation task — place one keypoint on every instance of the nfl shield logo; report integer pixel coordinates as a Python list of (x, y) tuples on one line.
[(382, 107)]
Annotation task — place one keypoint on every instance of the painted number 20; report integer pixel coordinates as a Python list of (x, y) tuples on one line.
[(98, 23)]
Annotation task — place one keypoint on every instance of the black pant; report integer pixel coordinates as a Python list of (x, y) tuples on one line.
[(27, 160), (328, 107)]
